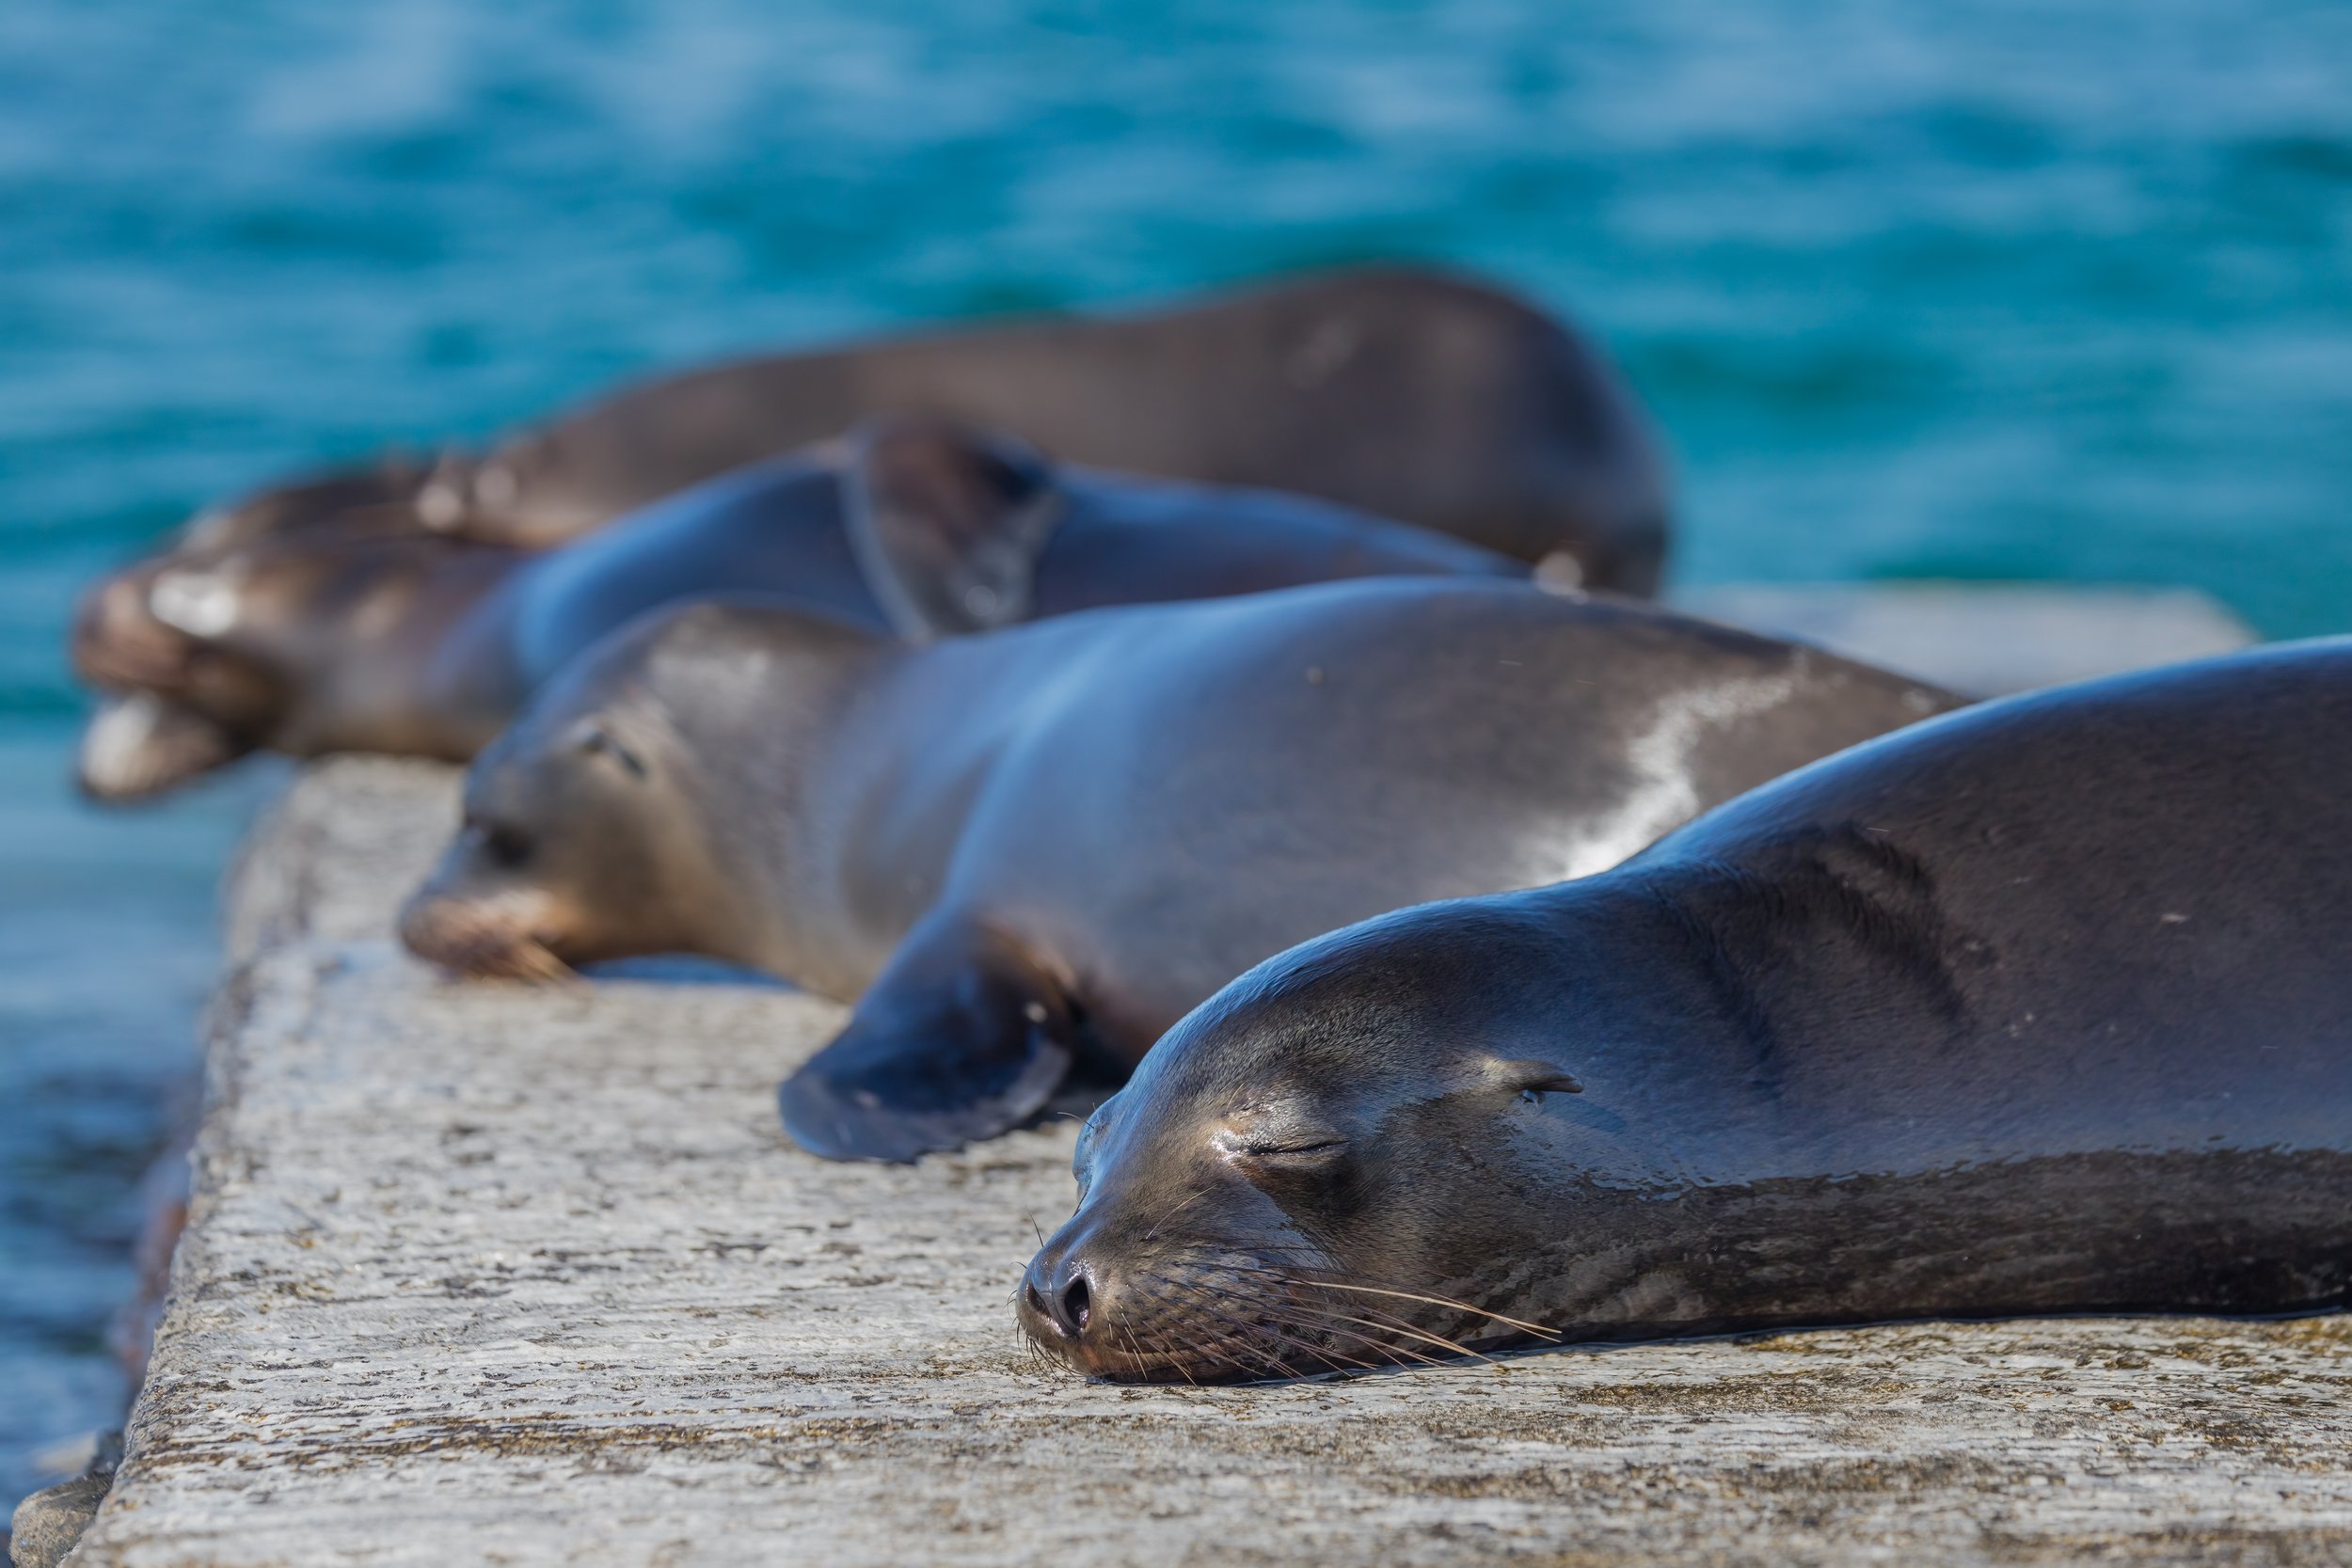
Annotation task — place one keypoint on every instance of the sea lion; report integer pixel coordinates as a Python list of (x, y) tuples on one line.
[(141, 742), (377, 636), (1412, 394), (2037, 1007), (374, 492), (1027, 854)]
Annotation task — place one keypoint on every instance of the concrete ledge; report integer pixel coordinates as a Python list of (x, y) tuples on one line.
[(47, 1525), (499, 1275), (1984, 639)]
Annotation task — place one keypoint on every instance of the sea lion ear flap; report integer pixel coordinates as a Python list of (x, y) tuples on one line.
[(591, 737), (948, 523), (962, 1037), (1533, 1079)]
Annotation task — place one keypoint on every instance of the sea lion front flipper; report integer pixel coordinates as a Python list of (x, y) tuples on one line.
[(962, 1037), (948, 523)]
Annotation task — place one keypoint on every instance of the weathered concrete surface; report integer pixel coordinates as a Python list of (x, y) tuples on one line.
[(1986, 639), (48, 1524), (498, 1275)]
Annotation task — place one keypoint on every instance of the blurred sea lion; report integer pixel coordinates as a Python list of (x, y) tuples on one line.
[(381, 492), (372, 635), (1027, 854), (2038, 1008), (1403, 393)]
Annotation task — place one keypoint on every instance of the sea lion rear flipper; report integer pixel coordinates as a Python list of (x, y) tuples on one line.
[(962, 1037), (948, 523)]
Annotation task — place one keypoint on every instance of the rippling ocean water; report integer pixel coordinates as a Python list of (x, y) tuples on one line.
[(1958, 288)]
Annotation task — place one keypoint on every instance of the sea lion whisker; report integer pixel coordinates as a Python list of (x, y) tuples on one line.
[(1389, 1349), (1440, 1301), (1387, 1322), (1168, 1358), (1330, 1358), (1180, 1207), (1271, 1359), (1316, 1282), (1244, 1368), (532, 962), (1327, 1322), (1021, 1277), (1401, 1323), (1276, 1326), (1212, 1313), (1134, 1351)]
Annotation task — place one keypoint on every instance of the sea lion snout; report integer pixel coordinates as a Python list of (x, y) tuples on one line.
[(117, 641), (1102, 1305), (157, 727), (509, 932), (1149, 1304), (181, 633)]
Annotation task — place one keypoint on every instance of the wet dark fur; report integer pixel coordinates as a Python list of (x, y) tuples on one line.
[(2039, 1008), (380, 636), (1413, 395), (930, 831)]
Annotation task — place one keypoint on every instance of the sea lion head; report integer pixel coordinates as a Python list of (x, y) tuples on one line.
[(481, 497), (536, 489), (207, 653), (195, 646), (1318, 1168), (615, 817), (190, 684)]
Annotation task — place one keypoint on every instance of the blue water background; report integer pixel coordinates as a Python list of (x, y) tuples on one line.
[(1940, 287)]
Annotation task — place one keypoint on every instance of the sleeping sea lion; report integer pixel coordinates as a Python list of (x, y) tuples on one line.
[(1027, 854), (1410, 394), (2037, 1007), (377, 636)]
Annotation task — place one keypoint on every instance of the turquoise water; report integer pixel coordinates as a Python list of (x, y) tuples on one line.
[(1977, 290)]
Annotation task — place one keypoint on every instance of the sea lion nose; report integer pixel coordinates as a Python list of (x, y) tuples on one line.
[(1062, 1293), (1073, 1305), (110, 608)]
